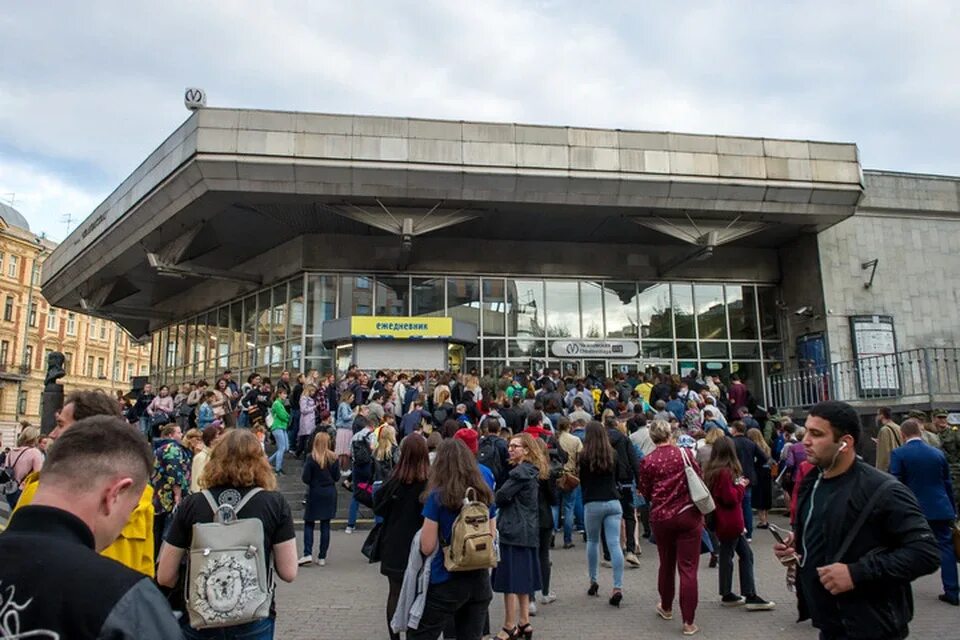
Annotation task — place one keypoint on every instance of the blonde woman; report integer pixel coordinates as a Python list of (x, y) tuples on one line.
[(386, 453), (24, 459), (518, 573), (320, 473), (236, 467)]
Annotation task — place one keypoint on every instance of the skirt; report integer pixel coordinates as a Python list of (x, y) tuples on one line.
[(344, 436), (518, 570)]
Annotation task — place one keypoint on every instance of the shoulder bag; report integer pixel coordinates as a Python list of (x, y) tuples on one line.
[(699, 493)]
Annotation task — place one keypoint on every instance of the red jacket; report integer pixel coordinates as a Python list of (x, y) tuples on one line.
[(537, 432), (728, 496)]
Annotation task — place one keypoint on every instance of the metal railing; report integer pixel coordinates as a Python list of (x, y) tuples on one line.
[(922, 376)]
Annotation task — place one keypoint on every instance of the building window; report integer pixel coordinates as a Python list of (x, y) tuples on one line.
[(8, 309), (33, 314), (143, 369), (1, 263), (22, 402), (103, 329), (129, 371), (4, 352), (52, 320), (35, 273), (89, 370), (91, 328), (71, 323), (46, 356), (12, 266), (67, 361), (28, 357), (100, 368)]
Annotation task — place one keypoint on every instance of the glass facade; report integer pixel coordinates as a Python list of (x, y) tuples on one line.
[(717, 327)]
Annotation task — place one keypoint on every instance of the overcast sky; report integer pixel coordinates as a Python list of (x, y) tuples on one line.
[(89, 89)]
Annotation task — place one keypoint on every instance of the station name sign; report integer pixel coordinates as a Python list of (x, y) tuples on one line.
[(401, 328), (595, 348)]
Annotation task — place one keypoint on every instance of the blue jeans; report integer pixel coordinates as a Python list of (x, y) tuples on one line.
[(308, 538), (353, 513), (145, 426), (606, 515), (259, 630), (748, 511), (568, 502), (243, 420), (280, 435), (948, 561)]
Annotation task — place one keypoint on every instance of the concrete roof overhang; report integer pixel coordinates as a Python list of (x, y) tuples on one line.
[(230, 185)]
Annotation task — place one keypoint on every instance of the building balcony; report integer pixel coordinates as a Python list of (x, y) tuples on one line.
[(14, 372)]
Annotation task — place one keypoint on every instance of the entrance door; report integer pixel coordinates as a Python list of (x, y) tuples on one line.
[(629, 368), (596, 370), (344, 359), (653, 367)]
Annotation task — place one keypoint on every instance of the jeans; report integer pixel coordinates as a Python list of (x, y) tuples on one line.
[(678, 545), (243, 420), (294, 427), (145, 426), (464, 598), (748, 511), (948, 561), (354, 512), (568, 503), (276, 459), (308, 526), (745, 555), (629, 521), (259, 630), (606, 515)]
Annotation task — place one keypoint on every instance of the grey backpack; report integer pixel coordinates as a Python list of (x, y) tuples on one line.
[(228, 581)]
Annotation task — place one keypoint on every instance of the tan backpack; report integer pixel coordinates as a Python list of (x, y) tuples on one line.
[(471, 544)]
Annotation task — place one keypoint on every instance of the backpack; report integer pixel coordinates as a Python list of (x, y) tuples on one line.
[(489, 456), (471, 544), (228, 582), (360, 452), (440, 415), (8, 479)]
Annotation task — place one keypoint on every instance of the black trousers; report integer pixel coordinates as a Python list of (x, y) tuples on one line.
[(464, 598), (629, 517), (544, 552), (392, 597)]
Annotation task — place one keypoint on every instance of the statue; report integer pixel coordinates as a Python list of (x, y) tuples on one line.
[(52, 392), (55, 371)]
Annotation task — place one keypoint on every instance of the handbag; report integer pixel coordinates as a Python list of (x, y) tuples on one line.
[(699, 493), (371, 546), (567, 482)]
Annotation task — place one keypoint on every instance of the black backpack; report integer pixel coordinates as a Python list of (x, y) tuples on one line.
[(489, 456), (624, 473), (361, 453)]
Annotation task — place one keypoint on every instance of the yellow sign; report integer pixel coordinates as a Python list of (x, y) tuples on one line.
[(400, 328)]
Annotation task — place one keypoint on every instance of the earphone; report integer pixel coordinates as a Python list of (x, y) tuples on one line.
[(843, 445)]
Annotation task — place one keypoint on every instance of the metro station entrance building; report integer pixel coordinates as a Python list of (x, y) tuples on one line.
[(263, 241)]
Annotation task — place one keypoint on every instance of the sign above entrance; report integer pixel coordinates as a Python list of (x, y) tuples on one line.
[(595, 348), (401, 328)]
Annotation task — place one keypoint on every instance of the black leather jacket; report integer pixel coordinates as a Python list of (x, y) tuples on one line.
[(894, 547)]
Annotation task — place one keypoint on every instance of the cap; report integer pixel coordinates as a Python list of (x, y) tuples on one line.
[(470, 438), (940, 413), (917, 415)]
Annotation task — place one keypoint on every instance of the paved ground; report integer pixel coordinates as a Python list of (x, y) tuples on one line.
[(345, 601)]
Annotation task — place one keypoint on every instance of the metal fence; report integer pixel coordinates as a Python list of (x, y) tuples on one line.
[(923, 376)]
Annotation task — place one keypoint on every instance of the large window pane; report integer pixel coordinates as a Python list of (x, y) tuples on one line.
[(683, 310), (654, 350), (563, 309), (427, 297), (356, 296), (249, 333), (264, 315), (718, 350), (493, 307), (742, 307), (526, 348), (750, 375), (224, 338), (746, 350), (591, 309), (620, 304), (525, 307), (655, 310), (768, 313), (494, 349), (393, 294), (321, 301), (295, 314), (463, 299), (278, 314), (711, 317)]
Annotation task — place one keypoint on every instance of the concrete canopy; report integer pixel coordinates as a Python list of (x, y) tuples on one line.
[(243, 196)]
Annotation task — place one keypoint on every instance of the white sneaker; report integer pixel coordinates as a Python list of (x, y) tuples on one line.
[(322, 562), (533, 608), (304, 560), (349, 530), (547, 598), (606, 563), (632, 560)]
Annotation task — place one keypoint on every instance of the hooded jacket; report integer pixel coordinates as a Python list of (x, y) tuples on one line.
[(518, 521)]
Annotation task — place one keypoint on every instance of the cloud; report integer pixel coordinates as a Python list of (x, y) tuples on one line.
[(94, 87)]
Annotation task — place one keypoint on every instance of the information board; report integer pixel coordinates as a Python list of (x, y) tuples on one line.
[(874, 343)]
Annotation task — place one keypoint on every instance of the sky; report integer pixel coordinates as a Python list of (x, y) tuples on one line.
[(89, 89)]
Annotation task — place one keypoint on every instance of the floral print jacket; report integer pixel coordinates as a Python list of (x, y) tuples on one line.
[(171, 468)]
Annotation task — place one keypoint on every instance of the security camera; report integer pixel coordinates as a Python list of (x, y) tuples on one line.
[(804, 311)]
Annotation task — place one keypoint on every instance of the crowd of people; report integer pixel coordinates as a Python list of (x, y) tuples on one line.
[(474, 481)]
